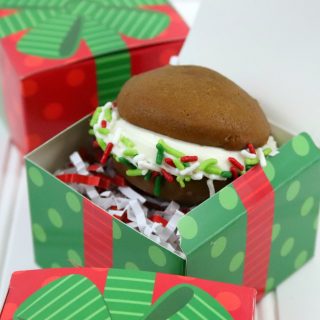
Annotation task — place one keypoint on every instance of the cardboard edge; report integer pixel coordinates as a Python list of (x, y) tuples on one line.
[(4, 303)]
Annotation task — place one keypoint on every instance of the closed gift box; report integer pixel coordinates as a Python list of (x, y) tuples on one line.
[(59, 59), (93, 293)]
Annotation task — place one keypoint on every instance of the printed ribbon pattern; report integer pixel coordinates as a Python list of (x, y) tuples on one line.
[(127, 295), (257, 196), (56, 27)]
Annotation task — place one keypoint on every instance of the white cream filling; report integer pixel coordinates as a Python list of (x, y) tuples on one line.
[(145, 142)]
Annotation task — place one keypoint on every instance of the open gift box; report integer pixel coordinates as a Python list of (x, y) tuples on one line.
[(53, 76), (256, 231), (111, 294)]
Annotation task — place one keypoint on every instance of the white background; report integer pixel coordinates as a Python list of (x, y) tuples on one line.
[(295, 299)]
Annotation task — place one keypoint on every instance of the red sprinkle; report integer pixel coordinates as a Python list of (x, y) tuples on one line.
[(154, 174), (159, 219), (189, 158), (106, 153), (251, 148), (115, 104), (167, 175), (236, 163), (103, 124), (170, 162), (234, 172)]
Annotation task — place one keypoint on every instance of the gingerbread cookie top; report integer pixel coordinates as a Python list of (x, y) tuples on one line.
[(194, 104)]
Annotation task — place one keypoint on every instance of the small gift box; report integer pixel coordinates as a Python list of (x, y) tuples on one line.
[(95, 294), (60, 59), (256, 231)]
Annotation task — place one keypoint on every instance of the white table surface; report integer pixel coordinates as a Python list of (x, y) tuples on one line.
[(295, 299)]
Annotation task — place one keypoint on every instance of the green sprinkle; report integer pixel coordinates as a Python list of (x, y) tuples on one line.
[(115, 157), (267, 151), (178, 164), (130, 152), (95, 116), (248, 167), (226, 174), (187, 178), (91, 132), (180, 180), (126, 162), (170, 150), (159, 158), (147, 177), (127, 142), (242, 172), (160, 154), (211, 169), (102, 144), (104, 131), (134, 172), (186, 164), (204, 164), (251, 162), (160, 147), (108, 114), (157, 186)]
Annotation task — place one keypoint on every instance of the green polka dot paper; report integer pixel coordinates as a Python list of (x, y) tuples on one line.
[(296, 207), (57, 220), (133, 251), (214, 233)]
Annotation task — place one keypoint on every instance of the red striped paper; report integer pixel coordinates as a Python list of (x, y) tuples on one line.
[(98, 243), (257, 196)]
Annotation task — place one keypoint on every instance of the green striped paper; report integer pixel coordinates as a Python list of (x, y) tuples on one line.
[(112, 72), (57, 37), (102, 40), (187, 302), (4, 4), (70, 297), (23, 20), (136, 23), (131, 3), (128, 294)]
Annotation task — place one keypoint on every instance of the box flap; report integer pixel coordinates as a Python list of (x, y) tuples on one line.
[(87, 29), (271, 48), (155, 295), (206, 221)]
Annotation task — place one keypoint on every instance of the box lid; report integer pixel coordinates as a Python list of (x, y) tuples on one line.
[(122, 294), (270, 48), (34, 43)]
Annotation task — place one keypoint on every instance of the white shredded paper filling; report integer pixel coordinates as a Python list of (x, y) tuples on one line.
[(127, 200)]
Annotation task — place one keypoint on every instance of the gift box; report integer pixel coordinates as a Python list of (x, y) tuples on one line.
[(256, 231), (60, 59), (93, 293)]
